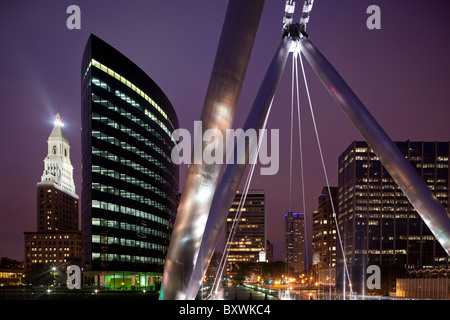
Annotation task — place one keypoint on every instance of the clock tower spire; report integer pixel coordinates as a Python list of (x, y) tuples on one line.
[(57, 166)]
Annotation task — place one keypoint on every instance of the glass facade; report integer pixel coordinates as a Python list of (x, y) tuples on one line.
[(123, 281), (377, 222), (130, 184)]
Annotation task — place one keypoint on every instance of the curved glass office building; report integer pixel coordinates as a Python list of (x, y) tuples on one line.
[(129, 183)]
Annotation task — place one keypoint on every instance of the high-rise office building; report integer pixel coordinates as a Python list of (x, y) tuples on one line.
[(324, 238), (57, 239), (248, 243), (294, 241), (129, 183), (325, 244), (377, 223)]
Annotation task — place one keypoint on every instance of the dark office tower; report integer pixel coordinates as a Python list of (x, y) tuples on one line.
[(269, 251), (129, 183), (325, 244), (377, 222), (294, 241), (325, 240), (249, 241)]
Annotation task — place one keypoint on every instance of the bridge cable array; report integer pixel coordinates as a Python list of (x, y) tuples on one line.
[(326, 175)]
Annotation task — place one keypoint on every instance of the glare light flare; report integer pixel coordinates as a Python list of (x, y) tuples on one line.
[(58, 121)]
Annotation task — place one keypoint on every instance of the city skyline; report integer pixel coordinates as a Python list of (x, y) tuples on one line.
[(402, 84)]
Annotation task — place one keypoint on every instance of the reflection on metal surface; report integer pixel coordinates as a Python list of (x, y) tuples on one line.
[(427, 205), (229, 183), (230, 65)]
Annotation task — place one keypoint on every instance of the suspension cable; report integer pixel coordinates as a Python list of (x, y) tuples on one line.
[(295, 53), (326, 175), (291, 132), (290, 152)]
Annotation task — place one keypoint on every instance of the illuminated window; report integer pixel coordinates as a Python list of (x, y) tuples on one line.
[(130, 85)]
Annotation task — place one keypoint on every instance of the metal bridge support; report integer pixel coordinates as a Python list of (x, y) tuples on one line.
[(231, 178), (230, 65), (421, 197)]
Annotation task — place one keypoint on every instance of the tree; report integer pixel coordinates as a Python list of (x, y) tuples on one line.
[(6, 263), (40, 275)]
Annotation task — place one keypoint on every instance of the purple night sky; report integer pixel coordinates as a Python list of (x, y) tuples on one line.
[(401, 73)]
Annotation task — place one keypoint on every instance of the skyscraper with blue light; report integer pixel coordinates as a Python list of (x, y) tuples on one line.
[(294, 240)]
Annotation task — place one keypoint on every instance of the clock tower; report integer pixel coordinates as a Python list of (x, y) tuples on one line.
[(57, 167), (57, 239)]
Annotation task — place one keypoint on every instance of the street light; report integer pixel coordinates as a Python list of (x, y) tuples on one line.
[(52, 272)]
